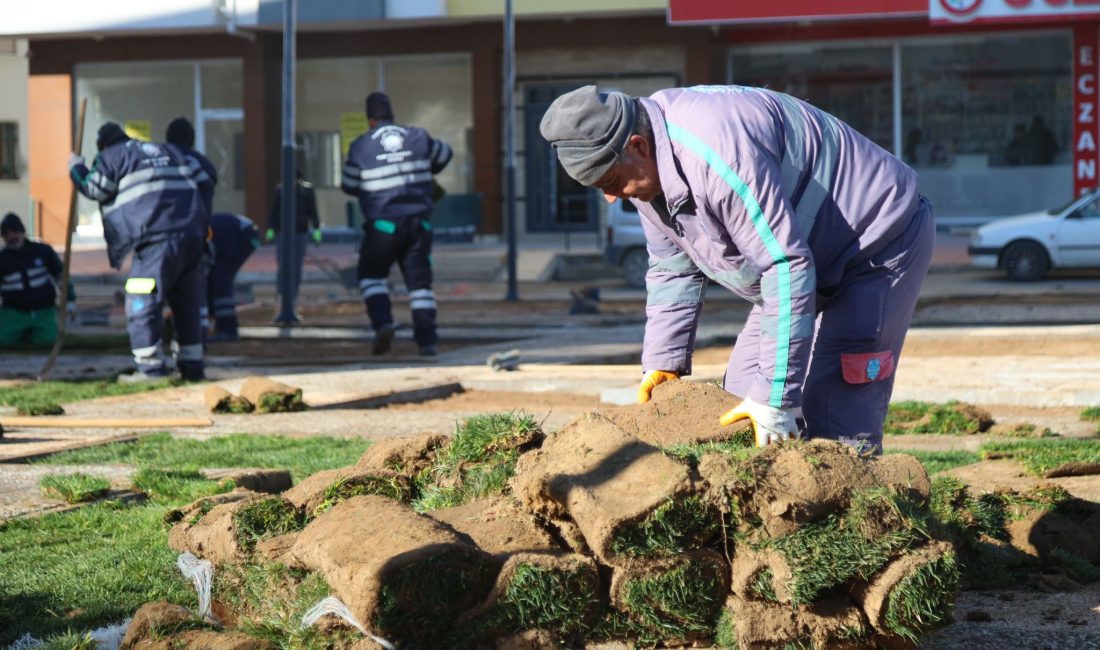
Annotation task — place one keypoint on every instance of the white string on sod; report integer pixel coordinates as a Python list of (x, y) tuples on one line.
[(26, 642), (110, 637), (332, 605), (201, 574)]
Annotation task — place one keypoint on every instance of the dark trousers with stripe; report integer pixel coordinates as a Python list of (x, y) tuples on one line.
[(223, 301), (858, 338), (169, 271), (408, 242)]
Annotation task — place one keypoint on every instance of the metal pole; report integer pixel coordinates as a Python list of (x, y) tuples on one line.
[(509, 145), (289, 196)]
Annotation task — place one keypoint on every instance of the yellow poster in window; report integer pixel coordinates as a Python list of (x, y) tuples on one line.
[(352, 125), (139, 129)]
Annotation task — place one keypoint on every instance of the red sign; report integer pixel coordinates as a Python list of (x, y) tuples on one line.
[(944, 12), (1086, 41), (723, 11)]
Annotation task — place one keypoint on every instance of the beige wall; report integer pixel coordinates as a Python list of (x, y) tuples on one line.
[(15, 194)]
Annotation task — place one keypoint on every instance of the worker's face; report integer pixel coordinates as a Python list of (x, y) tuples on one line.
[(635, 176), (14, 239)]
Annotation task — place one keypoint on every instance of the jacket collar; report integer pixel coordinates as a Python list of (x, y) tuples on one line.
[(674, 186)]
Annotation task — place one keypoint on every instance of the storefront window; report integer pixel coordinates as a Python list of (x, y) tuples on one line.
[(853, 83), (987, 121), (432, 92)]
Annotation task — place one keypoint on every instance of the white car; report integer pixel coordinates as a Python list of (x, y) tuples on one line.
[(1026, 246)]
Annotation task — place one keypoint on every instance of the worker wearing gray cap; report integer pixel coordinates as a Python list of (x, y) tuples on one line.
[(782, 204)]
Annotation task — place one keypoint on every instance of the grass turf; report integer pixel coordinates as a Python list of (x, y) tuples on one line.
[(176, 484), (344, 489), (75, 487), (939, 461), (558, 600), (35, 395), (1040, 455), (681, 603), (478, 461), (302, 456), (1091, 414), (923, 599), (948, 418), (268, 517), (674, 527), (96, 565)]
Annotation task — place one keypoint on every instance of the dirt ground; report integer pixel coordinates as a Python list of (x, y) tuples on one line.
[(502, 400)]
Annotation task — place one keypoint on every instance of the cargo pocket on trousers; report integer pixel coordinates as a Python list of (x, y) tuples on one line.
[(866, 367)]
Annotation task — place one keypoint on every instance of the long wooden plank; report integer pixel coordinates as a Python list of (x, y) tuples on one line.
[(63, 421)]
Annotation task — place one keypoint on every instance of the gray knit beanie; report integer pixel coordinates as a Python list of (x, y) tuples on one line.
[(589, 129)]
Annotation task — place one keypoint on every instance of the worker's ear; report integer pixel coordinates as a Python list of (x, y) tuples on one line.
[(640, 146)]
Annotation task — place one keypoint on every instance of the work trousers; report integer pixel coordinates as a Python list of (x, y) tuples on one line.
[(408, 242), (858, 336), (22, 327), (223, 300), (167, 272)]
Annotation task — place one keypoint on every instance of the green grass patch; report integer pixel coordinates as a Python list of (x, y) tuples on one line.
[(1091, 414), (478, 462), (763, 587), (39, 408), (922, 600), (302, 456), (949, 418), (74, 488), (939, 461), (830, 552), (69, 641), (681, 603), (741, 447), (35, 394), (1075, 566), (564, 602), (676, 526), (1040, 455), (725, 634), (267, 517), (176, 484), (84, 569), (393, 487)]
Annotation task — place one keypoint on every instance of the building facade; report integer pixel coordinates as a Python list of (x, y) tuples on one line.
[(989, 110)]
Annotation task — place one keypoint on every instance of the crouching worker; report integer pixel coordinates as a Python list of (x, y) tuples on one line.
[(151, 199), (234, 240), (29, 272), (784, 205)]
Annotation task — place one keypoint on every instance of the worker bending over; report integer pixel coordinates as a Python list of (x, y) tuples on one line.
[(28, 273)]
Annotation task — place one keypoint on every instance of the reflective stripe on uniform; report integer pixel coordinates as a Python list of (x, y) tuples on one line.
[(395, 181), (795, 158), (802, 283), (141, 286), (147, 353), (370, 287), (771, 245), (394, 169), (686, 290), (441, 152), (679, 263), (422, 299), (802, 325), (149, 187)]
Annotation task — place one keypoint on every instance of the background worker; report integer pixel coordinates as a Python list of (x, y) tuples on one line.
[(307, 226), (234, 239), (151, 200), (28, 273), (390, 170), (784, 205)]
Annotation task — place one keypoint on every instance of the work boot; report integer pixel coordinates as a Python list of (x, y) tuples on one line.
[(428, 350), (223, 337), (383, 339), (139, 377)]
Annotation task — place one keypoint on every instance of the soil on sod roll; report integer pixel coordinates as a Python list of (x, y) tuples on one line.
[(402, 574), (193, 512), (219, 400), (323, 490), (913, 593), (228, 533), (682, 413), (271, 396), (498, 526), (627, 498), (834, 622), (404, 456)]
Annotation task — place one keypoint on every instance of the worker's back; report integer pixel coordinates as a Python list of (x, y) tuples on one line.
[(27, 276), (390, 170)]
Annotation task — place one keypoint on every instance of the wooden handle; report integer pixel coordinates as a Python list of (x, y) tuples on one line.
[(63, 287), (63, 421)]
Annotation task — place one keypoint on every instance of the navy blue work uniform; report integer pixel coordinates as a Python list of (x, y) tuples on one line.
[(234, 240), (390, 170), (151, 199)]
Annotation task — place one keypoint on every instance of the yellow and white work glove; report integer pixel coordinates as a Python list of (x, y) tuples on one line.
[(768, 423), (652, 379)]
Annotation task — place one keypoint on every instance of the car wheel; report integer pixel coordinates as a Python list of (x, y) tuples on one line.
[(635, 264), (1025, 261)]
